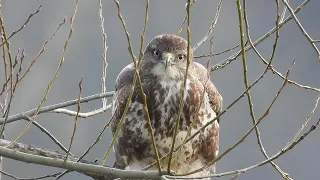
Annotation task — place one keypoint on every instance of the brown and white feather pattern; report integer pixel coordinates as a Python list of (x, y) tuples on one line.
[(133, 149)]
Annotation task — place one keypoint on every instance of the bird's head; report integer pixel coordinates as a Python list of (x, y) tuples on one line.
[(166, 56)]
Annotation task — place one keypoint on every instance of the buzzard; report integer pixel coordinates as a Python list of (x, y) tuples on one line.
[(162, 75)]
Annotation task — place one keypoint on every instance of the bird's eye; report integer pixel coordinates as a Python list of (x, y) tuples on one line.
[(156, 53), (180, 56)]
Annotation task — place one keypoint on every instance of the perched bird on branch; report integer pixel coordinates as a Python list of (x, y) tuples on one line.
[(162, 73)]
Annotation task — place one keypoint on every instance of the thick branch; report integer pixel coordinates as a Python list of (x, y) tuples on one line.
[(38, 155)]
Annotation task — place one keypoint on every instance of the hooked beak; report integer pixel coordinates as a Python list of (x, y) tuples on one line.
[(167, 59)]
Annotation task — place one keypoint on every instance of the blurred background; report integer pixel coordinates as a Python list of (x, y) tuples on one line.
[(84, 59)]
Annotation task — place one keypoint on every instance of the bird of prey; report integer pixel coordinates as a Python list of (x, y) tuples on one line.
[(162, 74)]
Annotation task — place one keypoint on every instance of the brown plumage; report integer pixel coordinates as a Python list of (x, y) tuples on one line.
[(162, 73)]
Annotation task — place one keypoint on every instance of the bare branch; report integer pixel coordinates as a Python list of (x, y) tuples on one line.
[(248, 132), (104, 56), (298, 134), (277, 155), (55, 75), (145, 105), (220, 114), (214, 22), (177, 122), (283, 174), (283, 13), (42, 50), (24, 24), (80, 114), (44, 130), (76, 118), (303, 31), (135, 78), (185, 18), (218, 53), (42, 156), (89, 148), (33, 178), (45, 109), (7, 105), (227, 61)]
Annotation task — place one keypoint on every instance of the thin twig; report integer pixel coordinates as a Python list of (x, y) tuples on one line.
[(220, 114), (76, 118), (144, 97), (54, 78), (252, 45), (135, 78), (8, 174), (295, 138), (178, 150), (7, 45), (275, 156), (184, 19), (16, 62), (181, 104), (303, 31), (277, 72), (214, 22), (277, 168), (33, 178), (283, 13), (218, 53), (183, 22), (43, 129), (80, 114), (42, 50), (49, 108), (227, 61), (89, 148), (24, 24), (104, 55), (243, 52), (248, 132), (97, 139), (5, 64)]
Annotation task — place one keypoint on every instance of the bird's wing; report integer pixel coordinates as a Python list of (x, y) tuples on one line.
[(214, 97), (210, 144), (123, 84)]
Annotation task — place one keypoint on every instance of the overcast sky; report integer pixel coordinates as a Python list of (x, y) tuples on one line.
[(83, 59)]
